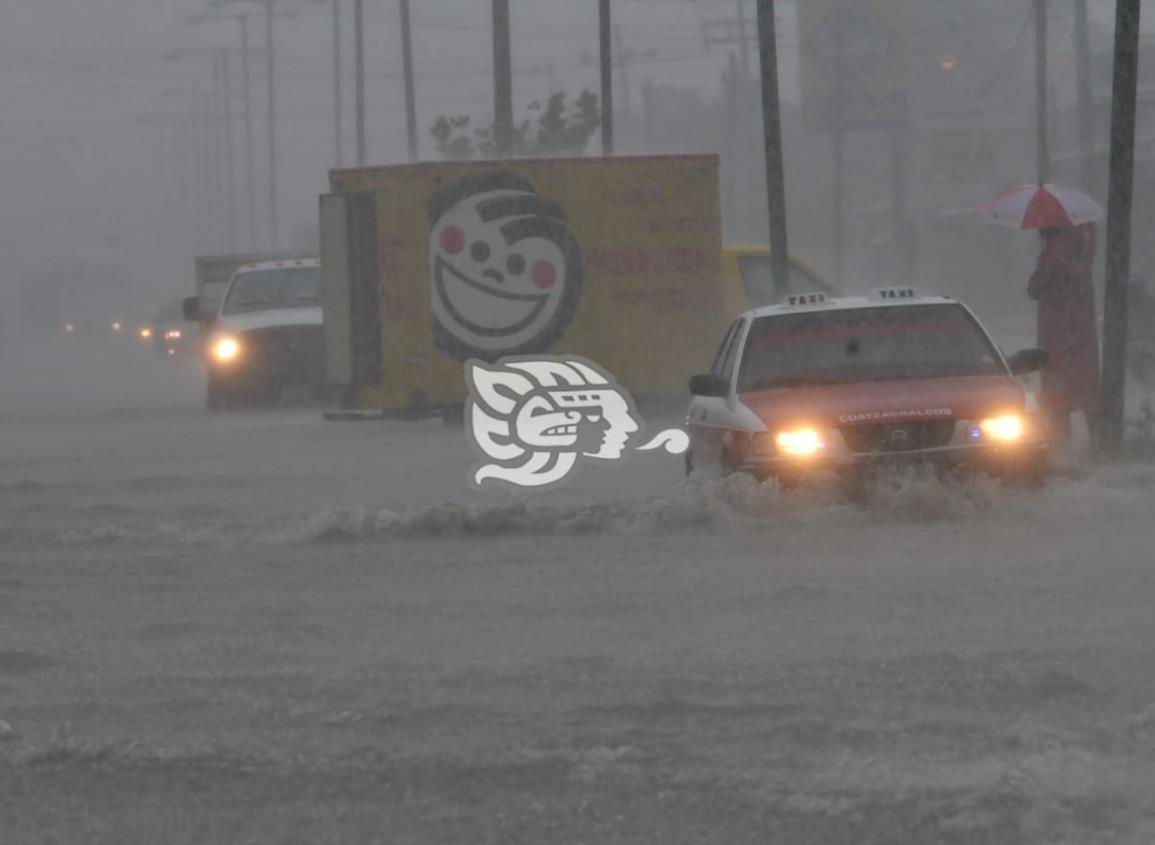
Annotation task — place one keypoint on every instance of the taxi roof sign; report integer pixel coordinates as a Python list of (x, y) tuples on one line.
[(806, 299), (894, 293)]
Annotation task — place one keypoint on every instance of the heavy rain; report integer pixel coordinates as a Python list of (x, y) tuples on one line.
[(542, 421)]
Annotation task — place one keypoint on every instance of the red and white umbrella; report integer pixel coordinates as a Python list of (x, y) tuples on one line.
[(1041, 207)]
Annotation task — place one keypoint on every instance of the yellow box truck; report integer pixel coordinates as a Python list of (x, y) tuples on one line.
[(429, 265)]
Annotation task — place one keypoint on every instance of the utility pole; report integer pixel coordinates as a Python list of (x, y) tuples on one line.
[(1043, 154), (1123, 107), (900, 223), (212, 149), (623, 62), (359, 77), (246, 94), (772, 132), (722, 32), (338, 140), (271, 96), (271, 92), (605, 54), (838, 137), (730, 163), (227, 129), (1083, 72), (502, 80), (250, 169), (410, 94), (743, 49)]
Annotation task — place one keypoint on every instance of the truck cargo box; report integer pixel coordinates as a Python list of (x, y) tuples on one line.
[(429, 265)]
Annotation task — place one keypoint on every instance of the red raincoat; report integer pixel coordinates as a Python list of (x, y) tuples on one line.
[(1062, 285)]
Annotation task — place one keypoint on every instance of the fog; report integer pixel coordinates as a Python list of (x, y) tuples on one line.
[(280, 624)]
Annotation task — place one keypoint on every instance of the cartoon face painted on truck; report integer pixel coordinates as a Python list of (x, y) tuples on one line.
[(505, 272)]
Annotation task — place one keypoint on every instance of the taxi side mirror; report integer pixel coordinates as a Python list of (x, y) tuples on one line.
[(708, 384), (190, 308), (1028, 361)]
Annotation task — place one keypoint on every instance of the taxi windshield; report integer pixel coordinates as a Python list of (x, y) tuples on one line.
[(865, 344), (281, 287)]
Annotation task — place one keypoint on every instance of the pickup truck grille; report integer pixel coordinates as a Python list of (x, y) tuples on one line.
[(287, 354), (898, 437)]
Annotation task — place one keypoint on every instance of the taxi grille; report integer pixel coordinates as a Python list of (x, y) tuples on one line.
[(898, 437)]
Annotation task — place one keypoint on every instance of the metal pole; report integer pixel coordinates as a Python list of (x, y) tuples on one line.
[(772, 132), (502, 80), (272, 106), (230, 193), (743, 50), (730, 165), (839, 154), (1043, 153), (200, 169), (1123, 107), (410, 94), (250, 175), (898, 181), (219, 203), (359, 77), (623, 60), (338, 140), (1086, 118), (607, 73)]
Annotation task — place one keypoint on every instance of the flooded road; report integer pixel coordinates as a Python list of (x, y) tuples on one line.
[(265, 627)]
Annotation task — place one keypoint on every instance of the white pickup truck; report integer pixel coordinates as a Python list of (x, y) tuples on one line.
[(265, 337)]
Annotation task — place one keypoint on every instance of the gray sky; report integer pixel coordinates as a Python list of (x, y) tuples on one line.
[(89, 163), (90, 168)]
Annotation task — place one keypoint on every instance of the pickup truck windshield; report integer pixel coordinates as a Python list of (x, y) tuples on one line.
[(865, 344), (282, 287)]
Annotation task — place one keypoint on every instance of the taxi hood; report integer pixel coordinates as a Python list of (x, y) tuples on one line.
[(863, 403)]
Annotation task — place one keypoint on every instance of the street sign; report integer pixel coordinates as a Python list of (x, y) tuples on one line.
[(866, 40)]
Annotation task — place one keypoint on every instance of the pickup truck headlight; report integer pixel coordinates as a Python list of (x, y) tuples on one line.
[(225, 349)]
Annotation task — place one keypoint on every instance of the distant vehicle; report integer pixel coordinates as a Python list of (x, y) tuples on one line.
[(842, 384), (747, 280), (266, 336), (79, 301), (93, 328), (166, 332)]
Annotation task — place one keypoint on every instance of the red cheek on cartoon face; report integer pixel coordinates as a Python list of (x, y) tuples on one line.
[(544, 274), (452, 240)]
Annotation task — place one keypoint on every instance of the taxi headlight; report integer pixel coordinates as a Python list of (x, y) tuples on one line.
[(1004, 429), (800, 442), (225, 349)]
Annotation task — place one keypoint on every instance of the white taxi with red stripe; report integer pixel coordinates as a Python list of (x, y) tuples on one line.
[(839, 383)]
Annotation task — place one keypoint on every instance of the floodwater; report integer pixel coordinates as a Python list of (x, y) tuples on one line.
[(265, 627)]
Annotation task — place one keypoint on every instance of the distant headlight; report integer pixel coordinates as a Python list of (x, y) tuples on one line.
[(226, 349), (1005, 429), (116, 326), (800, 442), (69, 328), (172, 334), (145, 333)]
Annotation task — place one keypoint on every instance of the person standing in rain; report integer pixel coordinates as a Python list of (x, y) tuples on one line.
[(1062, 286)]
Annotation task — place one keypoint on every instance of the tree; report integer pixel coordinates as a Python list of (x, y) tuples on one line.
[(558, 131)]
